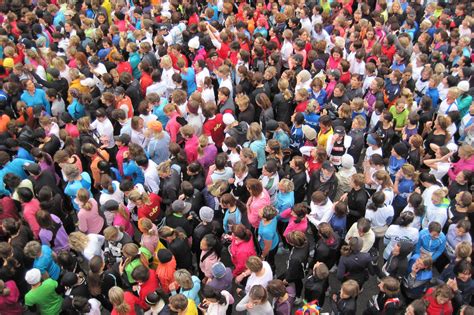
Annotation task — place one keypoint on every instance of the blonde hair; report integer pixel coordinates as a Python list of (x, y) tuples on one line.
[(184, 279), (146, 226), (117, 298), (287, 185), (351, 288), (440, 194), (164, 167), (203, 142), (254, 132), (383, 176), (131, 251), (78, 241), (135, 196), (84, 197), (463, 251), (466, 150), (84, 124)]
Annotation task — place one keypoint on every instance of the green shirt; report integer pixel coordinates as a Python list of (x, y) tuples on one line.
[(399, 118), (45, 298), (135, 263)]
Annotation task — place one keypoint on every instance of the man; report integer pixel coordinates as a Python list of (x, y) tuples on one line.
[(42, 297), (431, 241), (41, 178), (149, 168), (323, 180)]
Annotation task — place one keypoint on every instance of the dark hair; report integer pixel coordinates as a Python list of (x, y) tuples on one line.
[(405, 218), (240, 231), (141, 273), (209, 292), (463, 266), (214, 246), (25, 194), (434, 227), (378, 200), (416, 201)]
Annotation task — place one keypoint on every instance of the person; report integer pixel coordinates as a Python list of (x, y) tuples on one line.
[(283, 296), (417, 280), (255, 302), (388, 299), (9, 298), (123, 301), (439, 300), (215, 302), (431, 241), (317, 283), (42, 296), (188, 285), (345, 301), (43, 259), (354, 264), (182, 305)]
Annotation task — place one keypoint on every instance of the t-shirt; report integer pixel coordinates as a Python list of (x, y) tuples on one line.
[(262, 280), (46, 263), (268, 233), (214, 127), (382, 216), (151, 211), (45, 298)]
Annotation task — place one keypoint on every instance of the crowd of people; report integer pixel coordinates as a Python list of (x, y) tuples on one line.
[(157, 156)]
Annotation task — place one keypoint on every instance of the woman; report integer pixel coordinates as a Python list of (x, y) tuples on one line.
[(13, 266), (207, 152), (259, 198), (327, 247), (89, 218), (465, 163), (179, 246), (404, 185), (461, 208), (401, 227), (256, 142), (241, 248), (263, 101), (172, 127), (132, 257), (211, 249), (385, 185), (110, 190), (439, 300), (297, 260), (170, 181), (75, 181), (34, 97), (100, 281), (215, 302), (255, 302), (9, 298), (121, 216), (89, 245), (354, 264), (123, 301), (379, 213), (356, 199), (148, 205), (52, 232), (149, 234), (438, 136), (188, 285), (157, 148), (268, 234)]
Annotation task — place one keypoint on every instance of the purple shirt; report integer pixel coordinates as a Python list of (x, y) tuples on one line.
[(61, 239), (224, 283)]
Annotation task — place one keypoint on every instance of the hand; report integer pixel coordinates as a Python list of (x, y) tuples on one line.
[(453, 284), (181, 197), (122, 266), (231, 180), (238, 291), (415, 268), (343, 197), (249, 305), (334, 297)]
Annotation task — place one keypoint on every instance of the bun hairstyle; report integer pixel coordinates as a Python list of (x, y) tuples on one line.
[(416, 201), (240, 231), (405, 218)]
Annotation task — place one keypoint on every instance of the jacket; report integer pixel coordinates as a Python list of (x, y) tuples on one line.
[(282, 108), (396, 266), (190, 147), (296, 263), (427, 244), (131, 169), (329, 187), (15, 167), (433, 307), (415, 286), (327, 250), (355, 266), (206, 261), (240, 251)]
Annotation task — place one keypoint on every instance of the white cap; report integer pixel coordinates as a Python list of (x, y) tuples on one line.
[(463, 86), (347, 161), (89, 82), (33, 276), (228, 119), (166, 14), (194, 43), (452, 147)]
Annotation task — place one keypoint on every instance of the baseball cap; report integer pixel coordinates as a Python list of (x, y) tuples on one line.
[(32, 168), (33, 276), (180, 206), (339, 130)]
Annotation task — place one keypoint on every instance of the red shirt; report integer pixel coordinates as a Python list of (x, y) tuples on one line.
[(151, 211), (389, 51), (124, 67), (345, 78), (145, 81), (301, 107), (131, 300), (223, 52), (434, 307), (214, 127)]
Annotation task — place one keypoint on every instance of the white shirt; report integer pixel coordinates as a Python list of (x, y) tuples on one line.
[(105, 129), (152, 179), (158, 88), (94, 246), (396, 233), (445, 108), (435, 214), (203, 74), (357, 67), (427, 194), (367, 82), (286, 50), (95, 307), (208, 95), (220, 309), (262, 280), (320, 214), (370, 151), (416, 221), (442, 169), (166, 78), (228, 84), (306, 25), (148, 118), (380, 216)]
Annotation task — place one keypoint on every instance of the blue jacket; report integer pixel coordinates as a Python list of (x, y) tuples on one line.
[(284, 201), (427, 244), (258, 146), (73, 187), (38, 99), (15, 167), (321, 97), (283, 138), (238, 219), (131, 169), (433, 93), (76, 110)]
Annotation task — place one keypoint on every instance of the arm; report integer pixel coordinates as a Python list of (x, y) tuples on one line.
[(341, 269), (266, 248), (286, 213), (242, 306), (439, 250)]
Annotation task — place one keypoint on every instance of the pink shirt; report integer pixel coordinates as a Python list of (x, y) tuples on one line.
[(172, 127), (254, 204), (206, 265), (90, 221), (9, 303), (461, 165), (190, 147), (29, 212), (292, 225), (127, 226)]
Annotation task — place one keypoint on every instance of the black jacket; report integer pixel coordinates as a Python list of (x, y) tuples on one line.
[(299, 181), (329, 187), (396, 266), (355, 266), (327, 251), (357, 144), (282, 108), (169, 188), (182, 253), (296, 263)]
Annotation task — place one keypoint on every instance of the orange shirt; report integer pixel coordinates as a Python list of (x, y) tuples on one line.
[(4, 120), (95, 168), (127, 102)]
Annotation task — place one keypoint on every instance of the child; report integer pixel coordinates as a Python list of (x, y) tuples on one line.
[(255, 302), (346, 302), (397, 159), (232, 215), (400, 114), (297, 219), (317, 283), (387, 301)]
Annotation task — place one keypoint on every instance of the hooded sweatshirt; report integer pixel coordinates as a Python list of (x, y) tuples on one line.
[(427, 244), (396, 266)]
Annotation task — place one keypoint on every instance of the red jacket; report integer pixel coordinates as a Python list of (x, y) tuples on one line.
[(190, 147), (433, 307), (145, 81), (389, 51), (131, 300), (124, 67), (240, 251)]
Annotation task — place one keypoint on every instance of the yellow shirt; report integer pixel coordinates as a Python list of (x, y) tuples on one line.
[(191, 309), (108, 8), (323, 137)]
